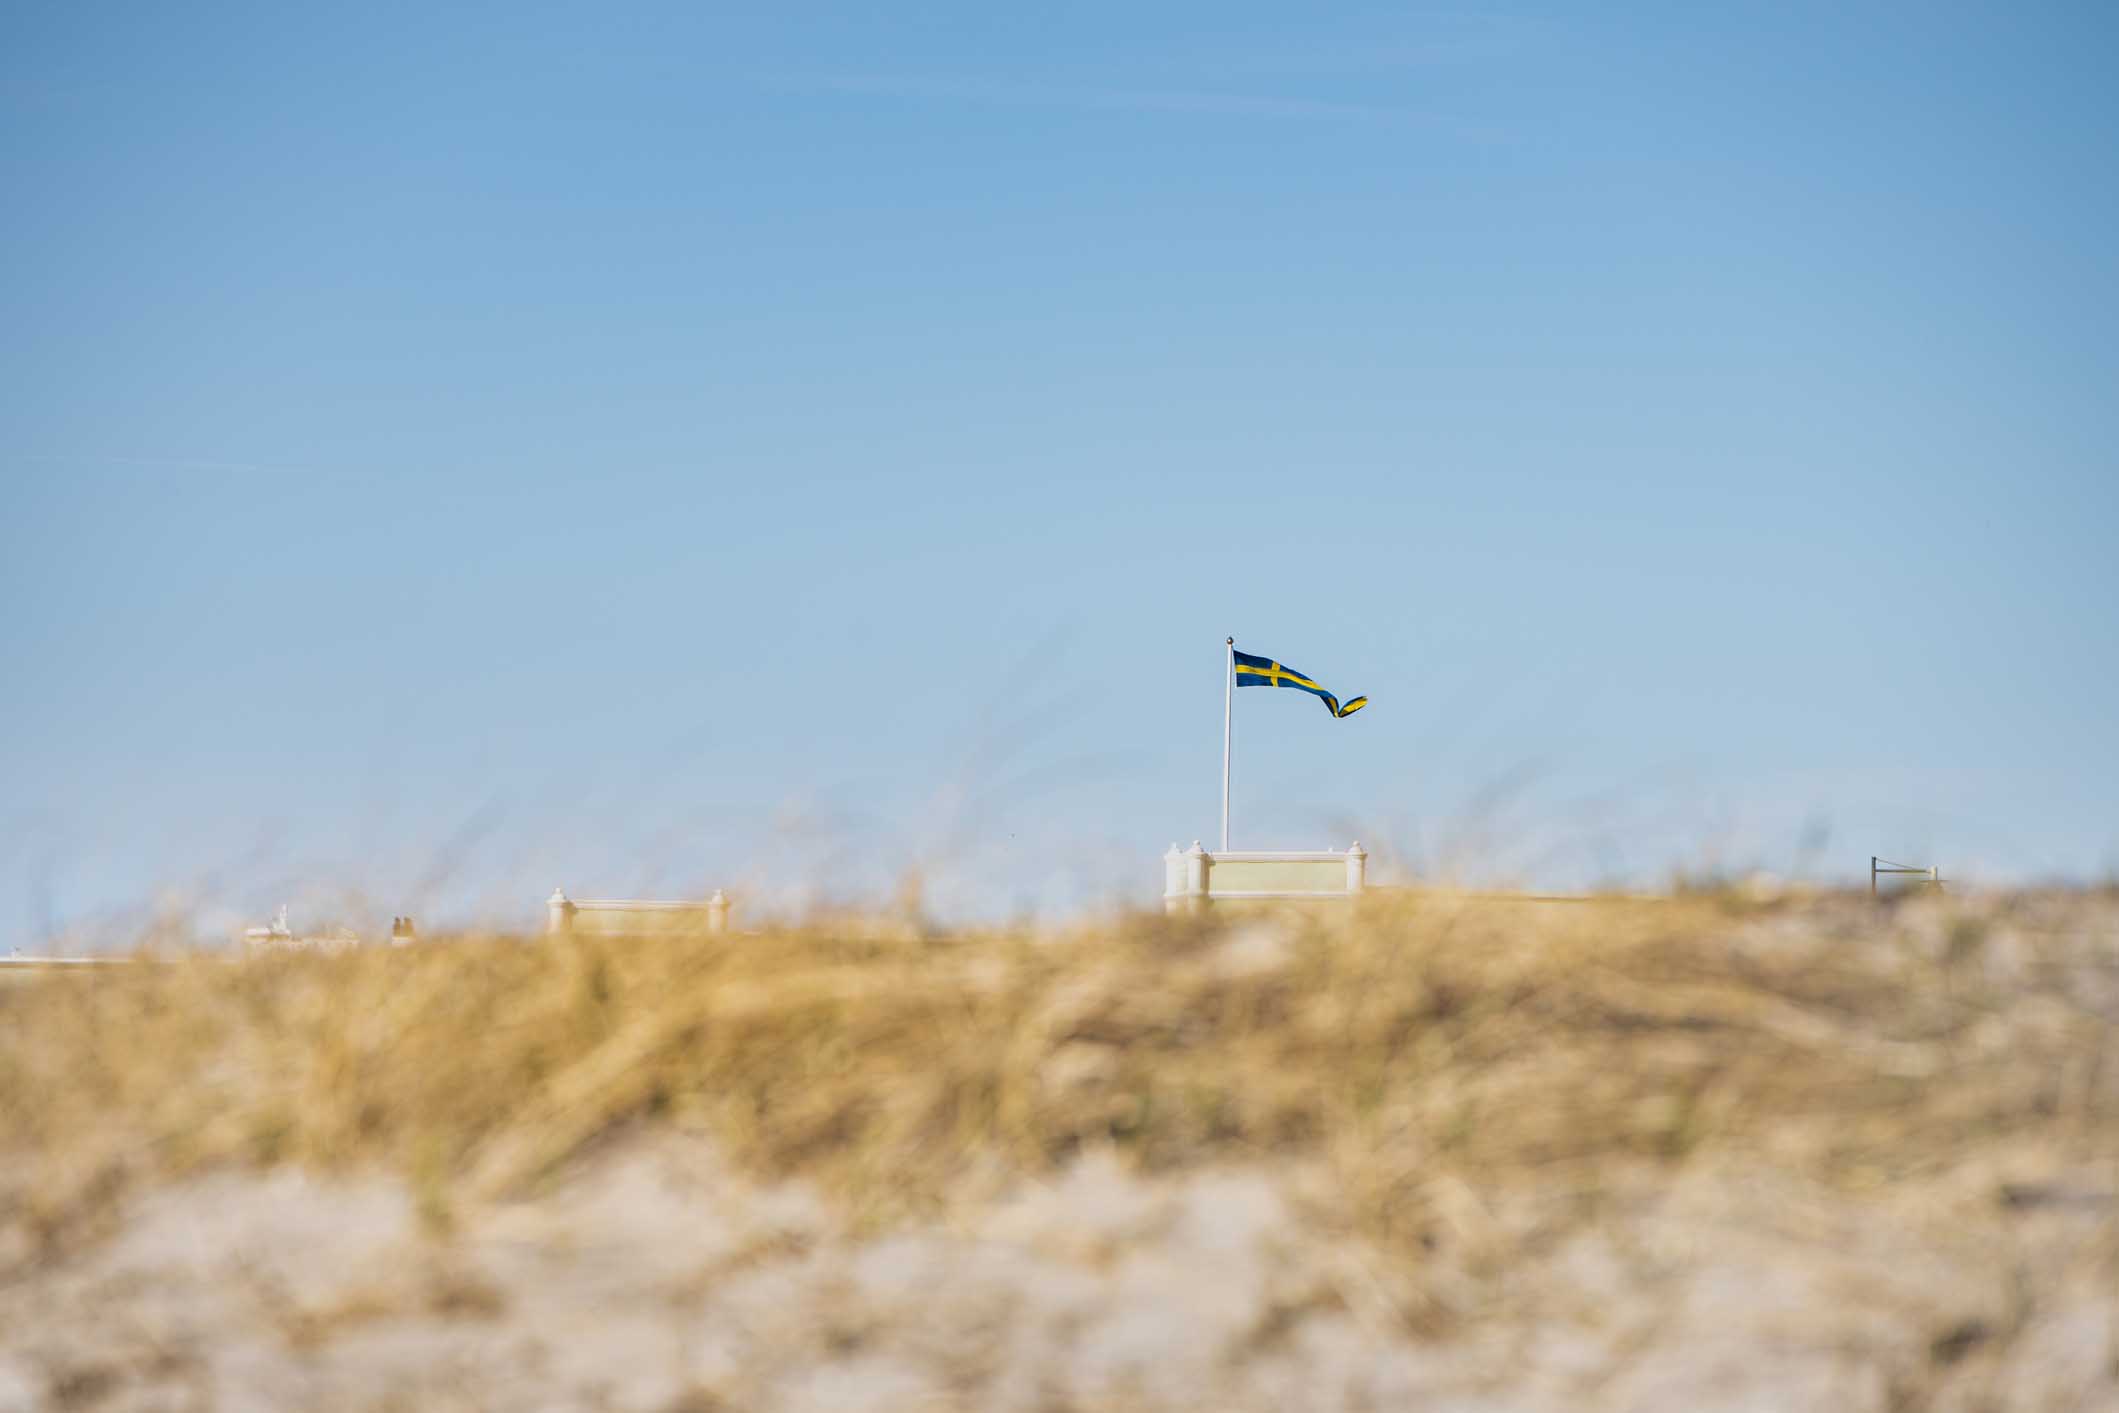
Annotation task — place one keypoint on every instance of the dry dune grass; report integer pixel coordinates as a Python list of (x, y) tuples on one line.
[(1435, 1037), (1458, 1086)]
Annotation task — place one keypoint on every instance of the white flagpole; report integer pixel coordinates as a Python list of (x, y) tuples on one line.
[(1228, 715)]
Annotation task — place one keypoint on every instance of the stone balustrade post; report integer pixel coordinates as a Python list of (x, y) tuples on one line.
[(559, 913), (1199, 867), (1357, 870)]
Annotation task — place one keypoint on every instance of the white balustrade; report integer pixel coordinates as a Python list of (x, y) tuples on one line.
[(1194, 878), (626, 916)]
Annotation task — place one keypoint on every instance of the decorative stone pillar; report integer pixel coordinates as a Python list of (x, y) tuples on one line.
[(559, 913), (1357, 870), (1199, 867), (717, 912)]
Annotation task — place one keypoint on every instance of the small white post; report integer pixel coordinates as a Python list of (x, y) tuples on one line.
[(1199, 864), (559, 913), (1228, 721), (1173, 880), (717, 912), (1357, 870)]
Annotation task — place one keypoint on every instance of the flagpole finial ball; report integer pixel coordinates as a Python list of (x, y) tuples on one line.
[(1231, 642)]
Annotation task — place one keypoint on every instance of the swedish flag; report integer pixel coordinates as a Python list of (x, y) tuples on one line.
[(1264, 672)]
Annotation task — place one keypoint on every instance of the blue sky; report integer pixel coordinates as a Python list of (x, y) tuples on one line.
[(451, 451)]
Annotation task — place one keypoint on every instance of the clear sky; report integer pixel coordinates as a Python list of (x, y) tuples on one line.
[(451, 451)]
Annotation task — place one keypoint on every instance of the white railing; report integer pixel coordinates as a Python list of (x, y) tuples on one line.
[(634, 915), (1884, 868), (1194, 878)]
